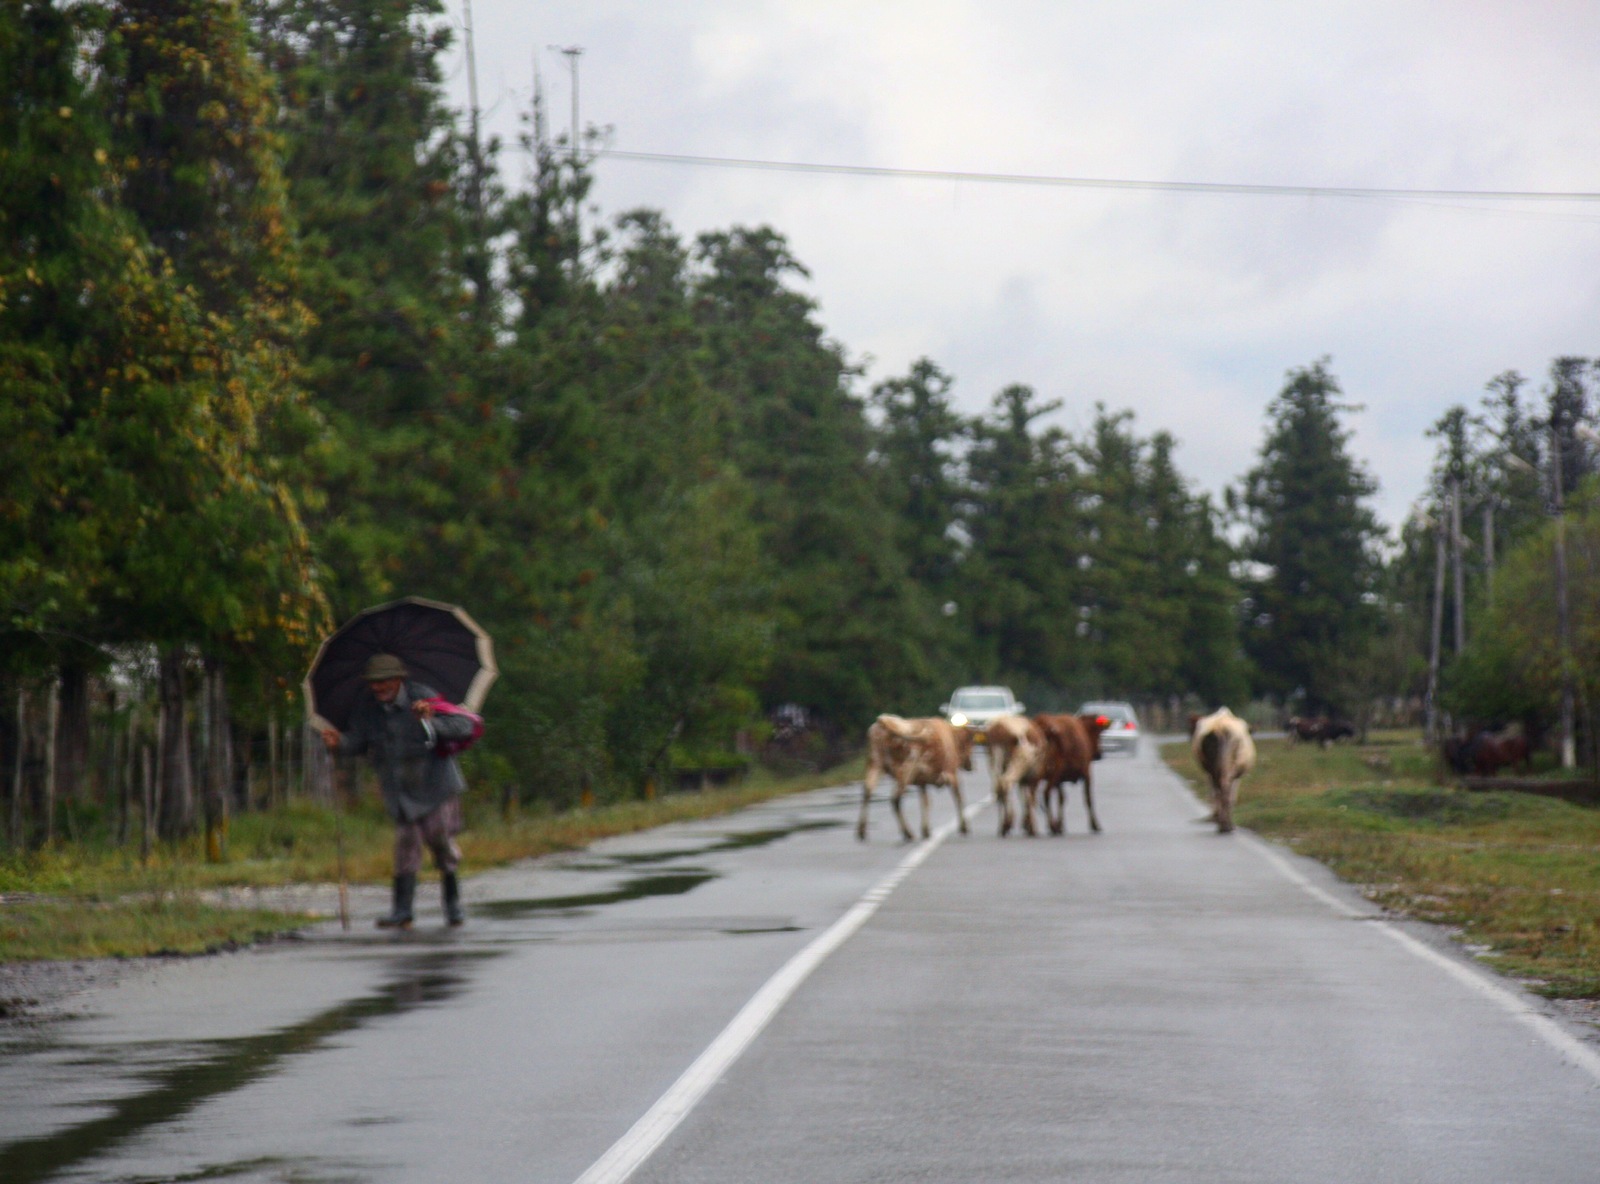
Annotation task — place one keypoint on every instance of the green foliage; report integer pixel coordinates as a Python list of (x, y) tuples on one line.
[(150, 499), (1314, 542), (283, 347), (1100, 572), (1511, 669), (853, 634)]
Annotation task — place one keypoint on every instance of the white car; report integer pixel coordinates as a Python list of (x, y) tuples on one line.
[(1122, 733), (978, 707)]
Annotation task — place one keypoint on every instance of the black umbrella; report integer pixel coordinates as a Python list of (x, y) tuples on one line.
[(440, 645)]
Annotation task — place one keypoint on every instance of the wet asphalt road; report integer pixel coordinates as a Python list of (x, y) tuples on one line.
[(1152, 1003)]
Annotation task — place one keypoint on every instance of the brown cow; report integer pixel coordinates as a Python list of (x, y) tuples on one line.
[(1017, 754), (1223, 748), (1072, 744), (1486, 753), (920, 752)]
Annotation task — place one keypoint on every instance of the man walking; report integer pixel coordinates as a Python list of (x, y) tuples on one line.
[(422, 786)]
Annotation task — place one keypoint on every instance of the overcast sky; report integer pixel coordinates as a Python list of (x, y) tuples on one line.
[(1186, 308)]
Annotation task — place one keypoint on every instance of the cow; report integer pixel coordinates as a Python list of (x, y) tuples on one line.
[(1299, 728), (1223, 748), (1485, 753), (1017, 754), (1320, 728), (1335, 730), (919, 752), (1072, 745)]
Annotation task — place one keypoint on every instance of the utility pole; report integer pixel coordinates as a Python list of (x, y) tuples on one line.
[(1488, 551), (1455, 558), (1569, 751), (1431, 722), (572, 53), (539, 130), (477, 266)]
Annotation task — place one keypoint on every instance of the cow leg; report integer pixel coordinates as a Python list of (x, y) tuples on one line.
[(1055, 808), (1002, 805), (1026, 800), (1225, 797), (1088, 801), (961, 808), (899, 793), (922, 794), (869, 783)]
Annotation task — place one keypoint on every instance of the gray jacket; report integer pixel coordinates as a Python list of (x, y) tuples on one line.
[(415, 779)]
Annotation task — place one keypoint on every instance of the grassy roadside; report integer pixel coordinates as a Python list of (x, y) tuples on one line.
[(1516, 874), (78, 901)]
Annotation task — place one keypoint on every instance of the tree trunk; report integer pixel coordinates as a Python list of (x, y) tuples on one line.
[(316, 767), (45, 823), (272, 761), (19, 757), (123, 752), (72, 734), (147, 790), (176, 780), (218, 760)]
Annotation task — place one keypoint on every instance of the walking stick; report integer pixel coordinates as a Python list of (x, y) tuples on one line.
[(338, 843)]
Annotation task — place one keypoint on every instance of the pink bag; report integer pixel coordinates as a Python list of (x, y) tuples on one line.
[(443, 706)]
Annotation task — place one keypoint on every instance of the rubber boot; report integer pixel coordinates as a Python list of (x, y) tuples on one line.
[(452, 899), (405, 891)]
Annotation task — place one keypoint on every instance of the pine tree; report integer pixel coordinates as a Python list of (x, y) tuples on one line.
[(1024, 518), (399, 358), (853, 633), (1314, 540)]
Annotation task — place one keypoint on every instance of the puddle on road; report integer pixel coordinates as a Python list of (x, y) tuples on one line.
[(733, 841), (233, 1063), (230, 1171), (636, 889)]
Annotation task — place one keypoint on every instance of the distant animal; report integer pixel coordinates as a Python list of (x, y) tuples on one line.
[(1072, 745), (1223, 748), (1017, 754), (1335, 730), (919, 752), (1319, 728), (1300, 727), (1485, 753)]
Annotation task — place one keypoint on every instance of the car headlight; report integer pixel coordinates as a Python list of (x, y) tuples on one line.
[(958, 719)]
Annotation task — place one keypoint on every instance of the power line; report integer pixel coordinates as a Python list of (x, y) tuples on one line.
[(1044, 181)]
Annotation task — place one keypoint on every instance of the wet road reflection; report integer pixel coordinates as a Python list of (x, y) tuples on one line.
[(636, 889), (734, 841), (228, 1065), (167, 1079)]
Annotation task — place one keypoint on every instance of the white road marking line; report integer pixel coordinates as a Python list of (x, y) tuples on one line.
[(629, 1153), (1568, 1046)]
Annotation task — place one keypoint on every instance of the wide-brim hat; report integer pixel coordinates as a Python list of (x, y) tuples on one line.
[(380, 667)]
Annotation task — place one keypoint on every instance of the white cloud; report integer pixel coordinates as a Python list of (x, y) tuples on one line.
[(1186, 308)]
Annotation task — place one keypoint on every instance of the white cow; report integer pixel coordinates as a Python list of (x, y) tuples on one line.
[(1017, 759), (1223, 748), (920, 752)]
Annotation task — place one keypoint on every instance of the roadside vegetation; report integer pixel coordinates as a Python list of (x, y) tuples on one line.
[(1514, 873), (87, 901), (234, 414)]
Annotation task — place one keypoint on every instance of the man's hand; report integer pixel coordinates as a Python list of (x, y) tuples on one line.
[(330, 739), (422, 708)]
